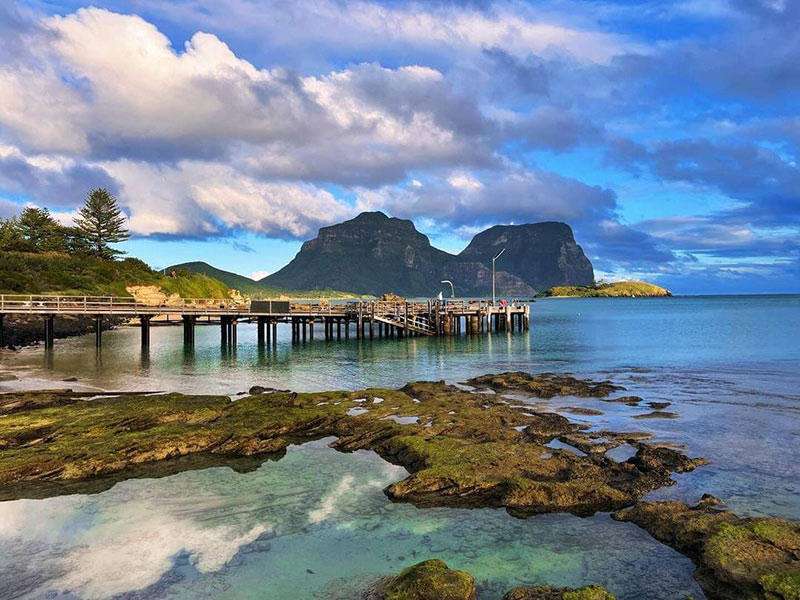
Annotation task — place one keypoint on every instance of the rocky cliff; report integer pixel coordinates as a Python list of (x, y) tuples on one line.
[(542, 255), (375, 254), (370, 254)]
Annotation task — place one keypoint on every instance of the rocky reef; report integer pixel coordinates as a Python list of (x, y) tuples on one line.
[(736, 558), (546, 592), (461, 448), (549, 385), (434, 580), (428, 580)]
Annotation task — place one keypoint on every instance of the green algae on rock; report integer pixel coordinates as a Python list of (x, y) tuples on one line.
[(428, 580), (462, 449), (753, 558), (546, 592), (546, 385)]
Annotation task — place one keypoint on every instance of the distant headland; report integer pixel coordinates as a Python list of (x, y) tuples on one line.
[(618, 289)]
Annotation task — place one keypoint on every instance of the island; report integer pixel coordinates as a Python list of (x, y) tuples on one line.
[(617, 289)]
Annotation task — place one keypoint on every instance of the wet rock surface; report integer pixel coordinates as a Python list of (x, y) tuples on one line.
[(546, 592), (428, 580), (546, 385), (462, 448), (754, 558)]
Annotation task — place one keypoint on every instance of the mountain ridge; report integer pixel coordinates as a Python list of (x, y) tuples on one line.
[(373, 254)]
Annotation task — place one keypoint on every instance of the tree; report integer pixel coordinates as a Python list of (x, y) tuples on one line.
[(102, 223), (39, 231), (10, 237)]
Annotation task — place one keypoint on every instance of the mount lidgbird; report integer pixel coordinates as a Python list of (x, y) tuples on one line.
[(375, 254)]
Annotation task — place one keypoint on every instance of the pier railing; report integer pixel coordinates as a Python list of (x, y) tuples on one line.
[(46, 304)]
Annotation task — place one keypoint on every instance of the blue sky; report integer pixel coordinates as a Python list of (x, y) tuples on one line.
[(666, 134)]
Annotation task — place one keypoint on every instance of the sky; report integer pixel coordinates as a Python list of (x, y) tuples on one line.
[(666, 133)]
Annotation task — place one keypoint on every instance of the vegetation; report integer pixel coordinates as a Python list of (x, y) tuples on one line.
[(736, 557), (628, 289), (463, 449), (60, 273), (255, 289), (428, 580), (102, 223), (39, 255)]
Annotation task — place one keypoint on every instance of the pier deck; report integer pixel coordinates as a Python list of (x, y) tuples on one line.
[(368, 317)]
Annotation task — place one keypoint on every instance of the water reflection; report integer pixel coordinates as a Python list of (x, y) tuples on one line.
[(313, 523)]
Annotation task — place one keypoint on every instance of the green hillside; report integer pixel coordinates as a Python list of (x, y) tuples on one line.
[(619, 289), (233, 280), (57, 273), (252, 288)]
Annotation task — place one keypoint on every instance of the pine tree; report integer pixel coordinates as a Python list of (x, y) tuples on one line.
[(39, 230), (103, 223)]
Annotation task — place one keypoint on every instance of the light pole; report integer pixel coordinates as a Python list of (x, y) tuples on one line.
[(494, 259), (452, 287)]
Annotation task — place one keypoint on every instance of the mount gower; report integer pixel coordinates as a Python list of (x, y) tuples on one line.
[(376, 254)]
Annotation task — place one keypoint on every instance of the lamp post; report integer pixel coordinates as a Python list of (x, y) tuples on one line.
[(452, 287), (493, 260)]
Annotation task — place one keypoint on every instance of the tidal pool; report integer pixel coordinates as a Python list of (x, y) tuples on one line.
[(314, 524)]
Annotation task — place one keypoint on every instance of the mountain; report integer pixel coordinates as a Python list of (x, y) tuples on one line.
[(256, 289), (542, 255), (233, 280), (370, 254), (376, 254)]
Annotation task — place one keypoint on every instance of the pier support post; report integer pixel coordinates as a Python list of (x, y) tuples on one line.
[(188, 329), (311, 329), (338, 329), (224, 329), (49, 331), (98, 330), (144, 325), (261, 334), (371, 328), (2, 340)]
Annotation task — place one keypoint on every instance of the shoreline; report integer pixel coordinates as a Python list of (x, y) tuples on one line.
[(461, 448)]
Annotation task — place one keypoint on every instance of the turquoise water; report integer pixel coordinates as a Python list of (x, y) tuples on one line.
[(316, 523)]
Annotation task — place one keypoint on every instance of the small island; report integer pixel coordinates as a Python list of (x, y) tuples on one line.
[(618, 289)]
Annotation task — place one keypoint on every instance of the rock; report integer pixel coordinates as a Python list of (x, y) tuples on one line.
[(579, 410), (545, 385), (462, 451), (8, 377), (546, 592), (542, 255), (70, 379), (629, 400), (374, 254), (657, 414), (754, 558), (658, 405), (428, 580)]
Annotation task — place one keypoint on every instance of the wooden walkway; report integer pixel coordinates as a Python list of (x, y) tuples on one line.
[(375, 318)]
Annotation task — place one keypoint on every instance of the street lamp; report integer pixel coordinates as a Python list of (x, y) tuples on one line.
[(494, 259), (452, 287)]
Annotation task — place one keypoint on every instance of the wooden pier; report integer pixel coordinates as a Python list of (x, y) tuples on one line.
[(363, 319)]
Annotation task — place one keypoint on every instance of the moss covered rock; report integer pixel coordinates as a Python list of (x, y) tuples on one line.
[(546, 592), (754, 558), (461, 448), (428, 580)]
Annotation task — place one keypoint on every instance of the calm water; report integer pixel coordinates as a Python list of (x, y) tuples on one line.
[(316, 523)]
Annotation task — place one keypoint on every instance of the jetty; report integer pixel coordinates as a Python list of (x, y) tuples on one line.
[(366, 319)]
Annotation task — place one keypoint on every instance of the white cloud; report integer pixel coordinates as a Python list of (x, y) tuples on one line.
[(514, 27), (256, 275)]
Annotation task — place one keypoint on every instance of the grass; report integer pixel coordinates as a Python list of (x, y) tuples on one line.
[(619, 289), (55, 273)]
